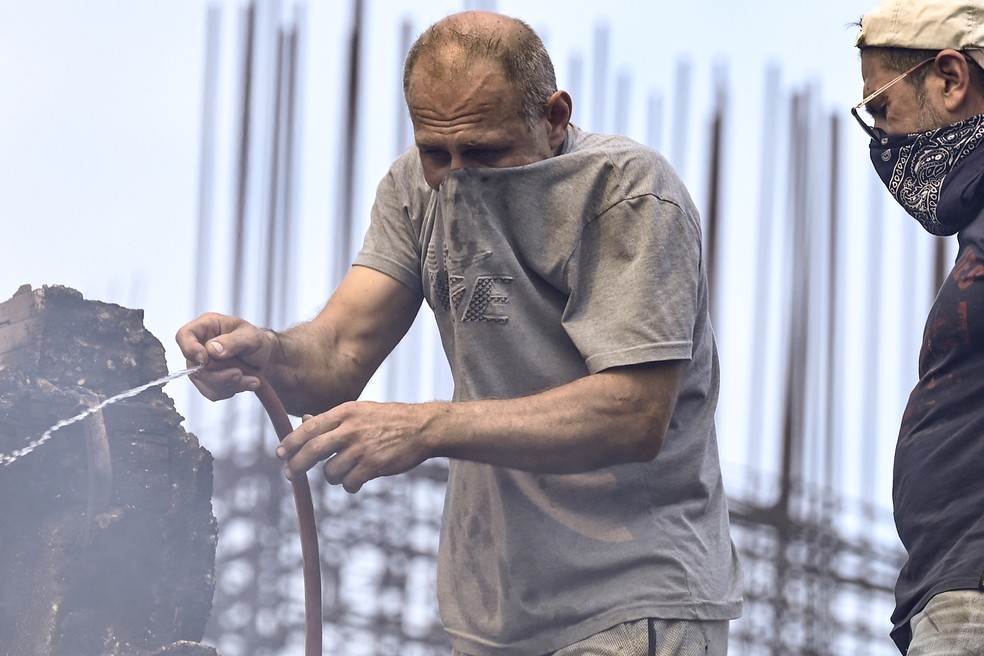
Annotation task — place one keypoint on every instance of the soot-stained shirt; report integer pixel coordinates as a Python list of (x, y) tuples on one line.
[(938, 490), (539, 275)]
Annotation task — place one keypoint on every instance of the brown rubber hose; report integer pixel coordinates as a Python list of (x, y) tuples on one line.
[(308, 529)]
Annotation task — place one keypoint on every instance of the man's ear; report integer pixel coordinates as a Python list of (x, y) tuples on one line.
[(558, 114), (957, 80)]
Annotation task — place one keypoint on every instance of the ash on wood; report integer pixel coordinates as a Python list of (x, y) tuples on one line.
[(107, 543)]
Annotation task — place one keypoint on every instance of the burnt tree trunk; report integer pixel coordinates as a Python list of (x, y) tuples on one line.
[(107, 538)]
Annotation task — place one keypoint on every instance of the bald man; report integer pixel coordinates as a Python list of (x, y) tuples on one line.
[(584, 511)]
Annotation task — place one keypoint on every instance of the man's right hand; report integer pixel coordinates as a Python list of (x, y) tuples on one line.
[(233, 351)]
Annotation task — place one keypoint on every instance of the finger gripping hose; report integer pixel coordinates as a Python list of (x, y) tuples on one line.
[(308, 529)]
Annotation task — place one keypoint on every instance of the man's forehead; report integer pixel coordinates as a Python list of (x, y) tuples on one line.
[(873, 67)]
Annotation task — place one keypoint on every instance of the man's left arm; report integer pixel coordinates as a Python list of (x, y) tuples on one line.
[(615, 416)]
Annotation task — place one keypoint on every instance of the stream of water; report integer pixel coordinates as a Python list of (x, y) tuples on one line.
[(13, 456)]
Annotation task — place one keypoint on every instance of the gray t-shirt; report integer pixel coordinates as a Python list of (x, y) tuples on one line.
[(539, 275)]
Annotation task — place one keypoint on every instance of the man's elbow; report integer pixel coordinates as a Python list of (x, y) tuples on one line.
[(649, 406), (652, 421), (648, 446)]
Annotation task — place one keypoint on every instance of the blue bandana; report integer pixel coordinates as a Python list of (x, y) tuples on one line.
[(935, 176)]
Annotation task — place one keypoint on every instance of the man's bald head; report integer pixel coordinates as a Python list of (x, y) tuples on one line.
[(449, 47)]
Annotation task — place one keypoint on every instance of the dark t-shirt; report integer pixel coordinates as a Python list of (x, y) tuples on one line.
[(939, 485)]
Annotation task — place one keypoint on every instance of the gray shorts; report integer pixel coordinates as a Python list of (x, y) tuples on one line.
[(652, 637), (951, 623)]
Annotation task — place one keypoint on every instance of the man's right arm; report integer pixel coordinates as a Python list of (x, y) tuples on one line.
[(328, 360), (314, 365)]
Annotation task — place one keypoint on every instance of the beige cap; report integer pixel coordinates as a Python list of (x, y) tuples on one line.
[(924, 25)]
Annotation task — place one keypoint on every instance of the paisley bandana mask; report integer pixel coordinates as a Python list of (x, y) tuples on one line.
[(935, 176)]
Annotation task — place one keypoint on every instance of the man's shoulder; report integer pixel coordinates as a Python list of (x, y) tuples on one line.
[(620, 151), (583, 141), (636, 166)]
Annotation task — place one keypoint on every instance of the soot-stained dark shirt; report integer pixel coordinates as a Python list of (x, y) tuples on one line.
[(939, 490)]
